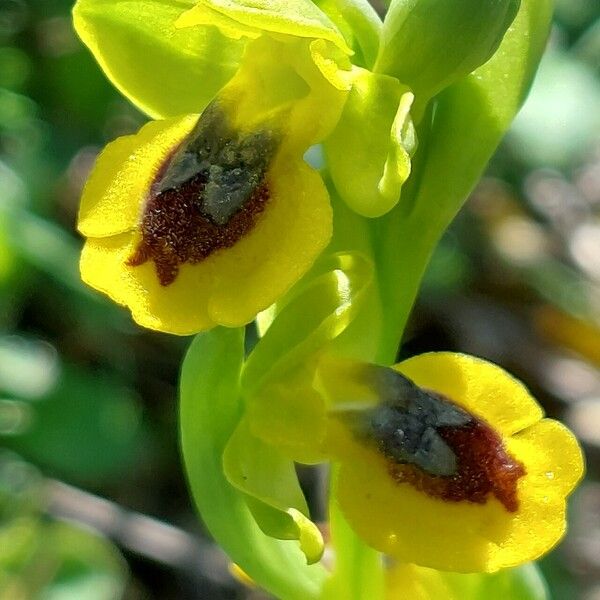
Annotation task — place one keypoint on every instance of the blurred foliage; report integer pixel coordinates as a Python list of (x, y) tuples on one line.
[(49, 560), (87, 398)]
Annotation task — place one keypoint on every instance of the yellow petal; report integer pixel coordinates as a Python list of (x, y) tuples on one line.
[(232, 285), (408, 525), (280, 84), (113, 195), (464, 537), (484, 389), (553, 454), (276, 92), (177, 308), (262, 266)]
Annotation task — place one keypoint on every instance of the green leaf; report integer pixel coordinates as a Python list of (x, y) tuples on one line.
[(376, 132), (162, 70), (275, 498), (298, 18), (210, 412)]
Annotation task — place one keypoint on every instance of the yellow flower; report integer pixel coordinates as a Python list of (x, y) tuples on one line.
[(446, 462), (197, 221)]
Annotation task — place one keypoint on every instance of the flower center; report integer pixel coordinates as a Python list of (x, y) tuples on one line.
[(437, 446), (208, 195)]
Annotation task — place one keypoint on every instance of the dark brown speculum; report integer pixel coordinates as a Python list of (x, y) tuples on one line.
[(209, 194), (437, 446), (484, 468)]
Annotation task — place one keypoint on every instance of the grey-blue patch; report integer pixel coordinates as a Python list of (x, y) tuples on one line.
[(231, 165), (405, 422)]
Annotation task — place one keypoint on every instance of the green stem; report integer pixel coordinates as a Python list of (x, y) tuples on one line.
[(404, 241), (415, 244)]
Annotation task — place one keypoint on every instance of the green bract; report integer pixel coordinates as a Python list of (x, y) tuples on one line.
[(471, 117), (210, 412), (428, 44)]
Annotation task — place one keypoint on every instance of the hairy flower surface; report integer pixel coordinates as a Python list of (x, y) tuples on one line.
[(446, 462)]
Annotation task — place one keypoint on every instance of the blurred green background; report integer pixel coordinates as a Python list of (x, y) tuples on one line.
[(93, 504)]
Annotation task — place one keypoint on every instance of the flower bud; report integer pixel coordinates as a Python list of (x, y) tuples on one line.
[(429, 44)]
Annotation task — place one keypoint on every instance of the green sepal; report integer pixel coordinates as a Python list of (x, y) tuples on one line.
[(278, 376), (273, 492), (209, 414), (289, 414), (454, 147), (314, 315), (290, 524), (429, 44), (360, 26), (164, 71), (296, 18), (376, 132)]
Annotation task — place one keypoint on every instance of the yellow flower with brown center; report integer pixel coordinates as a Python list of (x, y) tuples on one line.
[(197, 221), (446, 462)]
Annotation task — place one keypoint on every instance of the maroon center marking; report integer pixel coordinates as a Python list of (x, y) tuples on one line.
[(434, 443), (484, 467), (174, 230)]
